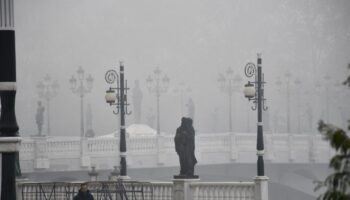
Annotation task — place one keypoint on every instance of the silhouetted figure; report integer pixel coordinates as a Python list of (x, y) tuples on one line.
[(137, 102), (184, 147), (40, 117), (190, 147), (18, 170), (84, 193)]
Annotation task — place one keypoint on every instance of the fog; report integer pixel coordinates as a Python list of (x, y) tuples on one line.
[(192, 42)]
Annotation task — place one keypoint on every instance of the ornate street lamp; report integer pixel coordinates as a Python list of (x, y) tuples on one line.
[(81, 87), (47, 89), (327, 79), (279, 84), (117, 96), (182, 89), (8, 124), (229, 84), (158, 84), (254, 91), (297, 83)]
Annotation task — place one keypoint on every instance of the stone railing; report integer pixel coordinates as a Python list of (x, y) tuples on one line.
[(63, 153), (179, 189), (223, 191)]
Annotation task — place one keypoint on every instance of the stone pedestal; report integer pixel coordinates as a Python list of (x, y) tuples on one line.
[(261, 188), (181, 189), (161, 154), (85, 161), (41, 153)]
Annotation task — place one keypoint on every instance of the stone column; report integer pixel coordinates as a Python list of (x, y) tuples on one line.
[(233, 147), (85, 158), (181, 189), (261, 188), (161, 154), (41, 153)]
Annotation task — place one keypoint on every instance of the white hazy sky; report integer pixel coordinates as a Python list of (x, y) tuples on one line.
[(192, 41)]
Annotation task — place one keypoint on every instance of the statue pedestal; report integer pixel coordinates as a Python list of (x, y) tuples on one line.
[(181, 188)]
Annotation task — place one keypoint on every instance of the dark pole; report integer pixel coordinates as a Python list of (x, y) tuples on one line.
[(158, 109), (288, 106), (8, 123), (123, 169), (48, 115), (230, 109), (82, 132), (260, 139)]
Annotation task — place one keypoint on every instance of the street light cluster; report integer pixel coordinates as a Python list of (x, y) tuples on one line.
[(158, 84), (47, 89), (229, 83), (81, 86)]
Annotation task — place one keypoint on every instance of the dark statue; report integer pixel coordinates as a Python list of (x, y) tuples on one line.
[(39, 118), (185, 146)]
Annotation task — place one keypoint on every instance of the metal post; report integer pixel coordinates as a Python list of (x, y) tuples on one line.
[(158, 109), (48, 116), (8, 123), (260, 139), (82, 134), (288, 105), (230, 111), (154, 86), (123, 167), (327, 102)]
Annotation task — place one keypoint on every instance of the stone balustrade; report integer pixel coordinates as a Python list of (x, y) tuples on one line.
[(63, 153), (223, 191), (177, 190)]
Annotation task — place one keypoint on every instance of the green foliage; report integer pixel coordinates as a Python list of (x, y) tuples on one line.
[(347, 81), (337, 184)]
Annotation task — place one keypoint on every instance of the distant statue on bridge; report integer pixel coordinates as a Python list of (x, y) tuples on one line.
[(137, 102), (190, 109), (185, 146), (88, 116), (39, 118)]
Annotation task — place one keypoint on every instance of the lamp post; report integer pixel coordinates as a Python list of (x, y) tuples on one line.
[(182, 89), (8, 122), (288, 75), (117, 96), (255, 91), (327, 79), (158, 84), (297, 83), (47, 89), (229, 84), (81, 89), (279, 84)]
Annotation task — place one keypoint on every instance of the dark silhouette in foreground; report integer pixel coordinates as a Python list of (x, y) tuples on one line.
[(84, 193), (185, 146)]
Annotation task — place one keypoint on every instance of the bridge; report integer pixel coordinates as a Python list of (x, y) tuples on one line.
[(64, 153)]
